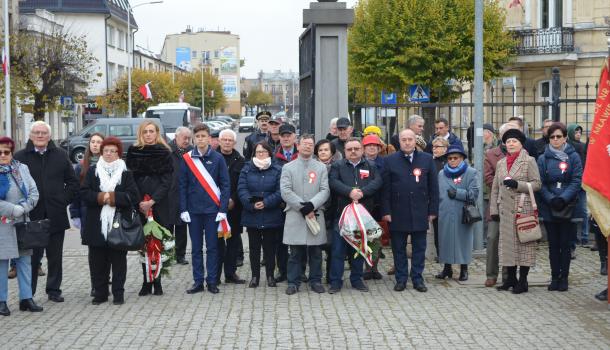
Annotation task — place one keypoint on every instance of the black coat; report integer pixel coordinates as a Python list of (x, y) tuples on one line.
[(344, 178), (152, 171), (56, 182), (125, 196), (174, 192), (235, 163)]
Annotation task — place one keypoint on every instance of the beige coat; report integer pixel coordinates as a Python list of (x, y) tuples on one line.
[(504, 201)]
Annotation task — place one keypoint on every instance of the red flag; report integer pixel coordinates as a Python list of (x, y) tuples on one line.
[(595, 178), (514, 3), (145, 91), (4, 62)]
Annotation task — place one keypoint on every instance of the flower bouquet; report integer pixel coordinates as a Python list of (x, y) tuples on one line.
[(360, 231), (158, 253)]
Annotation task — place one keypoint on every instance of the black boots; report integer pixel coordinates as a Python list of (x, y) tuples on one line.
[(521, 286), (146, 287), (511, 279), (463, 272), (157, 286), (29, 305), (603, 269), (4, 311), (447, 272)]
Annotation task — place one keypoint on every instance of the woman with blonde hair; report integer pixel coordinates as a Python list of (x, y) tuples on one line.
[(150, 161)]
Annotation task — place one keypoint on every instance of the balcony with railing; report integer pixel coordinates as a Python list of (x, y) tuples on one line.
[(544, 41)]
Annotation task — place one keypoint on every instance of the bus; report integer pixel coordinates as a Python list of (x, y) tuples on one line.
[(173, 115)]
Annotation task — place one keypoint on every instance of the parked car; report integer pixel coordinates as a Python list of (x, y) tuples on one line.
[(214, 128), (246, 124), (126, 129), (226, 118), (225, 124)]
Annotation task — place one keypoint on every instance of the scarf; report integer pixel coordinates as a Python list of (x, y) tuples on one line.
[(6, 170), (560, 153), (110, 176), (93, 160), (510, 159), (262, 164), (456, 172)]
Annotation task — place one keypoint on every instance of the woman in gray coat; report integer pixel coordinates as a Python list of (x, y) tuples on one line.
[(458, 183), (18, 196)]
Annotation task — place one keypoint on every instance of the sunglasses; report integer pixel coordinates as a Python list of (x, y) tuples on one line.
[(554, 137), (354, 149), (5, 153)]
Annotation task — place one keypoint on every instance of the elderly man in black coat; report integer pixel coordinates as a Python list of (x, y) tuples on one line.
[(180, 145), (57, 184)]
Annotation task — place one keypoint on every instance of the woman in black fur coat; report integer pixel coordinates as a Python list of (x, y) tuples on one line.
[(150, 161)]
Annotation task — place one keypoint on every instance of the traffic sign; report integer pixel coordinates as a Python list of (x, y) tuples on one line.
[(67, 102), (388, 98), (418, 93)]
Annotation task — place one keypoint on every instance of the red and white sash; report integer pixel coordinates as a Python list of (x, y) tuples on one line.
[(209, 185)]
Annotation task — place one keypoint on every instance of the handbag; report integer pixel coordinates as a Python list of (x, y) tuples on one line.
[(528, 226), (33, 234), (470, 213), (566, 212), (126, 232)]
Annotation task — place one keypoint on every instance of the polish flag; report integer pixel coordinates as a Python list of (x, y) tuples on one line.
[(4, 62), (145, 91)]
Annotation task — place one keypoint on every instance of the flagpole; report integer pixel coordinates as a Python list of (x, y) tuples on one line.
[(7, 77)]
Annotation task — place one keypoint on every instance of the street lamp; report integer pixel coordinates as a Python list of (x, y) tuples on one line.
[(130, 49)]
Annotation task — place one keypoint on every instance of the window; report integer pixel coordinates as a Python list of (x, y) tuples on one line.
[(216, 54), (121, 71), (120, 130), (194, 54), (122, 39), (551, 13), (111, 73), (95, 128), (279, 87), (110, 35), (216, 71), (266, 88)]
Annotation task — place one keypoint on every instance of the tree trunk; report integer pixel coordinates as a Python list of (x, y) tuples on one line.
[(39, 108)]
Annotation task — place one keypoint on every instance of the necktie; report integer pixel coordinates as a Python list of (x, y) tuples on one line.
[(289, 155)]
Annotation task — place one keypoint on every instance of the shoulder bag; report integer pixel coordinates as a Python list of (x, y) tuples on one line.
[(126, 232), (31, 234), (470, 213), (527, 225)]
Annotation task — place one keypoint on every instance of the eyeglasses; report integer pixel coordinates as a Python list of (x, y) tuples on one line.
[(439, 146), (5, 153), (40, 133), (262, 152), (353, 149), (554, 137), (110, 151)]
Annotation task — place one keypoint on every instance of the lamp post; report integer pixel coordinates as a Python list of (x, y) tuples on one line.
[(130, 50)]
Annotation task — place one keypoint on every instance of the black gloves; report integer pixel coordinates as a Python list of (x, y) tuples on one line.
[(451, 192), (307, 208), (511, 183), (558, 203), (495, 218)]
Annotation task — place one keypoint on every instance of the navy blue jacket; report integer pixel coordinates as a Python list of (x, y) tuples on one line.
[(408, 201), (193, 197), (550, 174), (254, 182)]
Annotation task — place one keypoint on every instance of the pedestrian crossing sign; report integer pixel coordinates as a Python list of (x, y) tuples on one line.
[(418, 93)]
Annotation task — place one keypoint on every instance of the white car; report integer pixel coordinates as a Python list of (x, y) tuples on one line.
[(246, 124)]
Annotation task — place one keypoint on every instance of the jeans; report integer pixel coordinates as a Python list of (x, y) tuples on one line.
[(181, 240), (103, 260), (24, 275), (54, 259), (418, 259), (561, 236), (268, 240), (339, 248), (200, 225), (295, 265)]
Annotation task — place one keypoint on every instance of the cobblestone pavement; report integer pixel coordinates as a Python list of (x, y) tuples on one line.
[(449, 316)]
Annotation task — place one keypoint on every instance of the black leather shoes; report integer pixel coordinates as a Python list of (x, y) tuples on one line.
[(420, 287), (361, 287), (602, 296), (234, 279), (447, 272), (334, 290), (463, 275), (146, 289), (271, 282), (29, 305), (553, 286), (4, 311), (158, 288), (318, 288), (400, 286), (56, 298), (280, 278), (196, 288), (182, 261), (118, 300), (98, 301), (213, 289), (291, 290), (253, 282)]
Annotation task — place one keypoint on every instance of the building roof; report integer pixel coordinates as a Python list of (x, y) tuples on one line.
[(277, 75), (116, 8)]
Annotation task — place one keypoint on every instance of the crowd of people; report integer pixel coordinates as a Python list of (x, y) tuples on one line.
[(289, 194)]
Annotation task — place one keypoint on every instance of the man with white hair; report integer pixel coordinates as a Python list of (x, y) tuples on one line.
[(57, 184), (415, 123), (181, 144), (228, 250), (332, 130), (492, 157)]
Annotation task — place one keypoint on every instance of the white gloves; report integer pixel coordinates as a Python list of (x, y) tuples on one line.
[(221, 216), (185, 217), (18, 211), (76, 223)]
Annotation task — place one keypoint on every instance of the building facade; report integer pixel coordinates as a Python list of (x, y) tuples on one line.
[(216, 52), (13, 13), (282, 86)]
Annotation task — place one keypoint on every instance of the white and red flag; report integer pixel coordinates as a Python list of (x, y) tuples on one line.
[(145, 91)]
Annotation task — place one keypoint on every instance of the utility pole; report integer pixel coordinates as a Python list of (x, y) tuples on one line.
[(478, 113), (203, 58), (7, 76)]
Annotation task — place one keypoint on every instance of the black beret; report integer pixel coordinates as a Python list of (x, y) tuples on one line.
[(514, 134)]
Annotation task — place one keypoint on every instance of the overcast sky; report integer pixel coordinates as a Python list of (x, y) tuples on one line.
[(268, 29)]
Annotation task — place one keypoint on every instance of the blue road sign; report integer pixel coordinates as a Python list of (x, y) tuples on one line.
[(418, 93), (388, 98)]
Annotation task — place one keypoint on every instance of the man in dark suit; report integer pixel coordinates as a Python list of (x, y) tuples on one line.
[(409, 203)]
